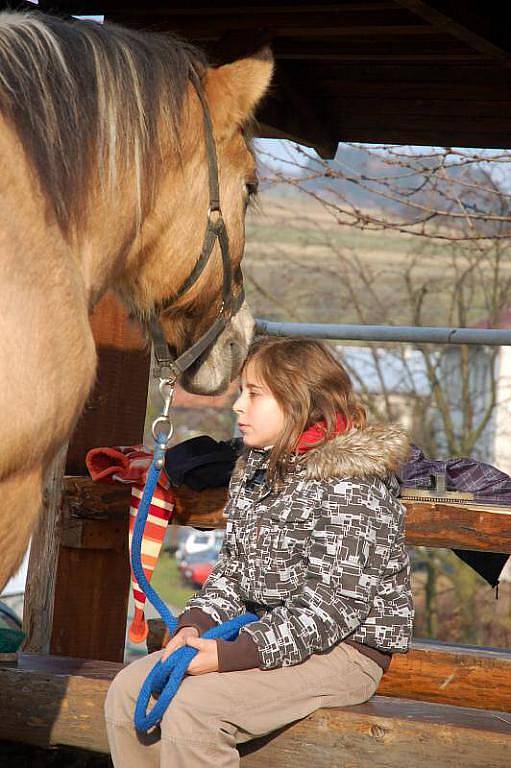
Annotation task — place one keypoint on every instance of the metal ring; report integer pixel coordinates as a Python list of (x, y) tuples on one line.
[(156, 432)]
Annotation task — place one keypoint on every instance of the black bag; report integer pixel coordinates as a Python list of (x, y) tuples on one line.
[(201, 463)]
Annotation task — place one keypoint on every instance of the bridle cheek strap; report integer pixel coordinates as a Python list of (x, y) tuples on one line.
[(215, 230)]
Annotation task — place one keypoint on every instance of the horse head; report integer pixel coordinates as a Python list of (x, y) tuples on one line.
[(166, 284), (140, 154)]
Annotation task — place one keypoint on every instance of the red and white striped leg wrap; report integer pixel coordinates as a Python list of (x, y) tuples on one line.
[(160, 512)]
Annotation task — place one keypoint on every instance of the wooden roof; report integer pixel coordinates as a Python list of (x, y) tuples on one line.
[(432, 72)]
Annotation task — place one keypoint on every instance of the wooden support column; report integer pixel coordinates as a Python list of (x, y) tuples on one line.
[(78, 586)]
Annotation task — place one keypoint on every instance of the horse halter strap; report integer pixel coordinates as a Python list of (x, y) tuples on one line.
[(215, 230)]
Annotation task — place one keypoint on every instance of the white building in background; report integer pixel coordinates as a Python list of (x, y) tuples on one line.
[(397, 375), (502, 416), (403, 376), (500, 426)]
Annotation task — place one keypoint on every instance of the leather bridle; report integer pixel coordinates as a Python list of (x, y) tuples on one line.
[(215, 230)]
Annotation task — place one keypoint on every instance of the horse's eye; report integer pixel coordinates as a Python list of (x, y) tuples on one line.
[(251, 187)]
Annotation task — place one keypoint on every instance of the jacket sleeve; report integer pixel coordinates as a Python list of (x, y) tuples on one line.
[(350, 546)]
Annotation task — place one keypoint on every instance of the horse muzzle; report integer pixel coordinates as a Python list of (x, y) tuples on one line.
[(218, 366)]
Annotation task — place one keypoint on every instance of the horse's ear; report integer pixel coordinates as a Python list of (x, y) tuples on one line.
[(234, 90)]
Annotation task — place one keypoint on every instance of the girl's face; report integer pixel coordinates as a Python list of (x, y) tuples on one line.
[(260, 418)]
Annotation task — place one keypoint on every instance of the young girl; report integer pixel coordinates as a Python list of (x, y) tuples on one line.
[(314, 546)]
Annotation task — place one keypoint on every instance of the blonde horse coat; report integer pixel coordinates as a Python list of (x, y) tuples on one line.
[(104, 184)]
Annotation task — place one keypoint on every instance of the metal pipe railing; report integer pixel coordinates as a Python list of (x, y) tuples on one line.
[(385, 333)]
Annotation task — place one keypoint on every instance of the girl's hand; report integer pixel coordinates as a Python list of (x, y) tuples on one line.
[(179, 640), (207, 657)]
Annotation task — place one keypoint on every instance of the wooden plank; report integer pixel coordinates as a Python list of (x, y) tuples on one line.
[(386, 733), (60, 701), (334, 53), (406, 735), (93, 534), (458, 526), (466, 23), (484, 76), (421, 131), (290, 24), (42, 566), (484, 125), (447, 674), (203, 8), (253, 16), (90, 616), (394, 105), (427, 93), (305, 102), (295, 28), (429, 524)]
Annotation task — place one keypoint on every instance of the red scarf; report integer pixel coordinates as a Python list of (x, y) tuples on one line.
[(316, 433)]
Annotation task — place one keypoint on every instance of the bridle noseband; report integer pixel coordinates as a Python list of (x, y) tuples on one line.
[(167, 366)]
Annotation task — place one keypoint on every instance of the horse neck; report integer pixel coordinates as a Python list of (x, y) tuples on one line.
[(106, 245)]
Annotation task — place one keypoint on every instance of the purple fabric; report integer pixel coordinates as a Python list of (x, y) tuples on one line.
[(488, 484)]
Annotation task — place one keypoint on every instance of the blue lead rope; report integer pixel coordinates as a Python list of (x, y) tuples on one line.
[(165, 678)]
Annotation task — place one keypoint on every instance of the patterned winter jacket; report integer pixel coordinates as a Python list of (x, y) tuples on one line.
[(320, 558)]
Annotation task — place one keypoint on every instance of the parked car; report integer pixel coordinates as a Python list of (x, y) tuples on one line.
[(199, 541), (197, 566)]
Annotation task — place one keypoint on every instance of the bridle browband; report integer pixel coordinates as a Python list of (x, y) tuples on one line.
[(215, 230)]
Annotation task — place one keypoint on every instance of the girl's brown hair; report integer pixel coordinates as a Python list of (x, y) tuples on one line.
[(309, 384)]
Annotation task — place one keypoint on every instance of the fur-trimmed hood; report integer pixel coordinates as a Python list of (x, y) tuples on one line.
[(373, 451)]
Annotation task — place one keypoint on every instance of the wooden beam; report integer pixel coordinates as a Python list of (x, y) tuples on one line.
[(51, 701), (290, 27), (319, 51), (488, 75), (388, 733), (201, 9), (289, 23), (450, 674), (299, 112), (463, 95), (464, 21), (484, 529), (429, 524), (242, 9), (431, 108), (288, 100)]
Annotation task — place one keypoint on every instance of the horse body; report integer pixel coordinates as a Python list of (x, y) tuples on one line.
[(104, 184)]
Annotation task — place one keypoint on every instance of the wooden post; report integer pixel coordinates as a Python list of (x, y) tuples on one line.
[(42, 566)]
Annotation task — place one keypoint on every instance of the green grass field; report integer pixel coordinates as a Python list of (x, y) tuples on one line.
[(167, 582)]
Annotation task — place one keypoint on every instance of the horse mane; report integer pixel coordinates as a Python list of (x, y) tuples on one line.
[(92, 105)]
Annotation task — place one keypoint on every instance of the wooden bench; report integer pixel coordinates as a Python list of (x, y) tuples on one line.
[(48, 701), (446, 704)]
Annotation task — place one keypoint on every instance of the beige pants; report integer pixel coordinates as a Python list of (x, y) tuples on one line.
[(211, 713)]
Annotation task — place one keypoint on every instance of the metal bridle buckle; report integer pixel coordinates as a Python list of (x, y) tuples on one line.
[(215, 216), (162, 428)]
